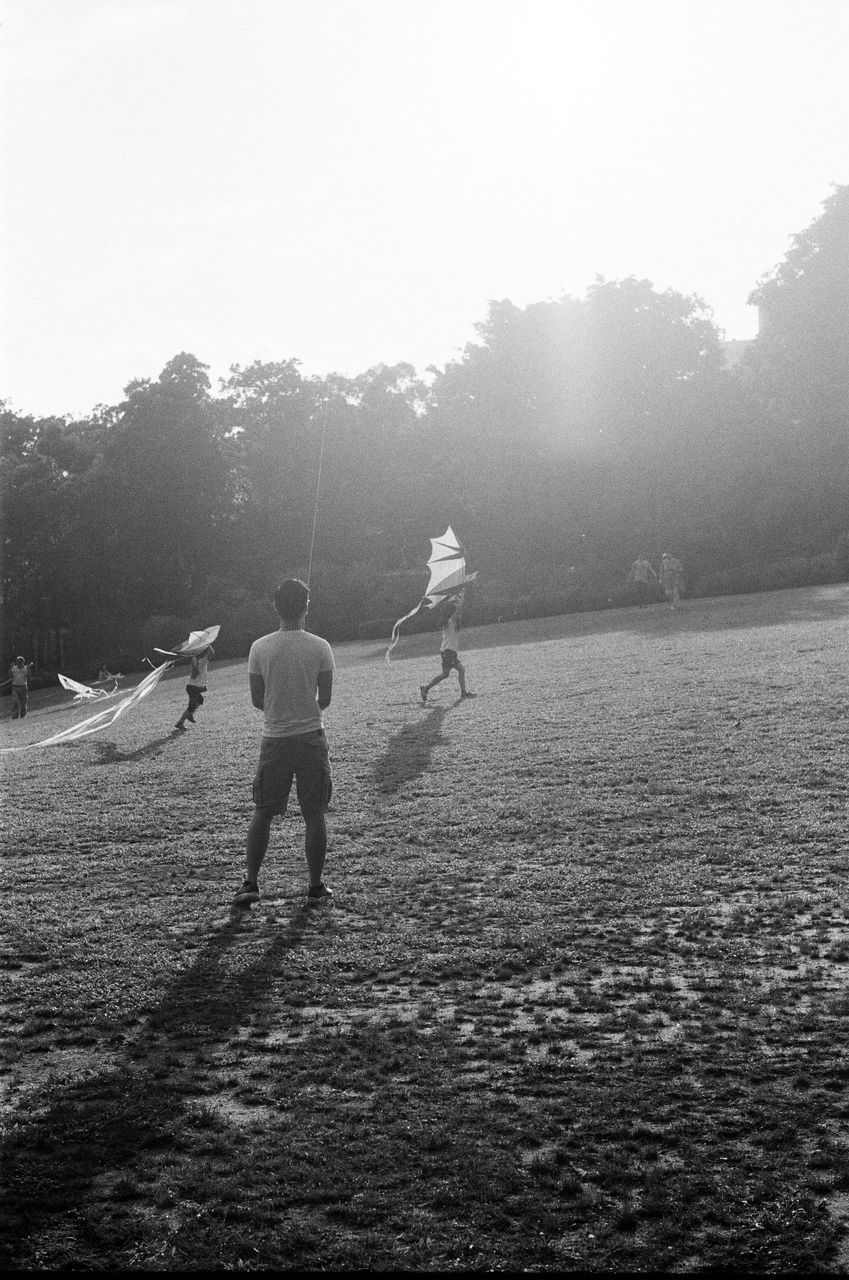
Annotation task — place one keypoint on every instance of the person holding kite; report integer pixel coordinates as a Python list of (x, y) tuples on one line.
[(196, 687), (199, 648), (450, 649), (291, 681), (19, 675), (448, 581)]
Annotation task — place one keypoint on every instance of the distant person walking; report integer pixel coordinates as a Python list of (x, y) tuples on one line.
[(450, 651), (19, 676), (641, 575), (196, 687), (671, 578), (291, 681)]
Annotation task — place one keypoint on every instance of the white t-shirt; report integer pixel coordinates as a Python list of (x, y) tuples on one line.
[(198, 672), (451, 634), (289, 663)]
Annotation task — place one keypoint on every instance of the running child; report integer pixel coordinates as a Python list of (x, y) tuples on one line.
[(196, 687), (450, 651)]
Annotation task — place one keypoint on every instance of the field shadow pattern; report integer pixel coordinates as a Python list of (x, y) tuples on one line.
[(113, 1119), (579, 1004)]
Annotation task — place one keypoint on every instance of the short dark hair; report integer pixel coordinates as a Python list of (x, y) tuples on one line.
[(291, 599)]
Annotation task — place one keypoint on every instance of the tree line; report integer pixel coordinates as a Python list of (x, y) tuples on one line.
[(570, 435)]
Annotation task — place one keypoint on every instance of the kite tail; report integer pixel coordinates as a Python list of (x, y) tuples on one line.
[(396, 629)]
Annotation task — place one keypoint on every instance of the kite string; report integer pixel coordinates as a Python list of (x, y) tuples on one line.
[(318, 487)]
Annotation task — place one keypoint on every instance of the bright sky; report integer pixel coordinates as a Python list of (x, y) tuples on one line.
[(348, 182)]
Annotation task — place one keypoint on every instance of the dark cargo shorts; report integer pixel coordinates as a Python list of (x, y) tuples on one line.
[(450, 661), (305, 758), (195, 692)]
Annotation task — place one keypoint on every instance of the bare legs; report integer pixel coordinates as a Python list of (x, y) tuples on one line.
[(461, 675), (315, 844), (259, 833)]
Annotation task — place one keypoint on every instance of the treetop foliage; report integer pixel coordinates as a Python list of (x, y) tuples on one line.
[(570, 434)]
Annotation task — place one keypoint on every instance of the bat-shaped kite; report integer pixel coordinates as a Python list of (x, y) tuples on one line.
[(196, 643), (448, 578)]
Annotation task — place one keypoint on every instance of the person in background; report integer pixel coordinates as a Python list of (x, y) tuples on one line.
[(196, 687), (642, 577), (450, 651), (19, 676), (671, 578)]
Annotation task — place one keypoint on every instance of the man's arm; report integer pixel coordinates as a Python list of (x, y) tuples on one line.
[(257, 692), (325, 688)]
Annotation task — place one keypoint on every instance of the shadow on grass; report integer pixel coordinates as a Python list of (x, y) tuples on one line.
[(109, 753), (107, 1123), (408, 754)]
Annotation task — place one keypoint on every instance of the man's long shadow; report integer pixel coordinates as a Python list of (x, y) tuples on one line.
[(108, 1121), (409, 751)]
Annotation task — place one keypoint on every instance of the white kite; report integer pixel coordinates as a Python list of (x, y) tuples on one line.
[(85, 692), (448, 578), (102, 719), (196, 643)]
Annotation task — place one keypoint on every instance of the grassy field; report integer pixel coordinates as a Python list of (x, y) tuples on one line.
[(580, 1002)]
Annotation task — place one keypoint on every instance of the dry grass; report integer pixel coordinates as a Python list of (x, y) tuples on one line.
[(580, 1002)]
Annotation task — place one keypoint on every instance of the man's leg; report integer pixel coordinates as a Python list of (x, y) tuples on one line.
[(259, 833), (315, 843), (461, 676)]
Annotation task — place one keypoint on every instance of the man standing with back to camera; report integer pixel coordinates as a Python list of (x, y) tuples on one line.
[(291, 681)]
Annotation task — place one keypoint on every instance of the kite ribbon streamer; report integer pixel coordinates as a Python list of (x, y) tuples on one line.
[(102, 719), (396, 629)]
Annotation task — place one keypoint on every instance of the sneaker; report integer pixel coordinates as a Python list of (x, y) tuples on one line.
[(320, 893), (179, 725), (423, 692), (468, 695), (190, 719), (248, 893)]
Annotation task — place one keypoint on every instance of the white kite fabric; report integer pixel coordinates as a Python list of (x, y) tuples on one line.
[(102, 719), (196, 643), (448, 578), (84, 692)]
